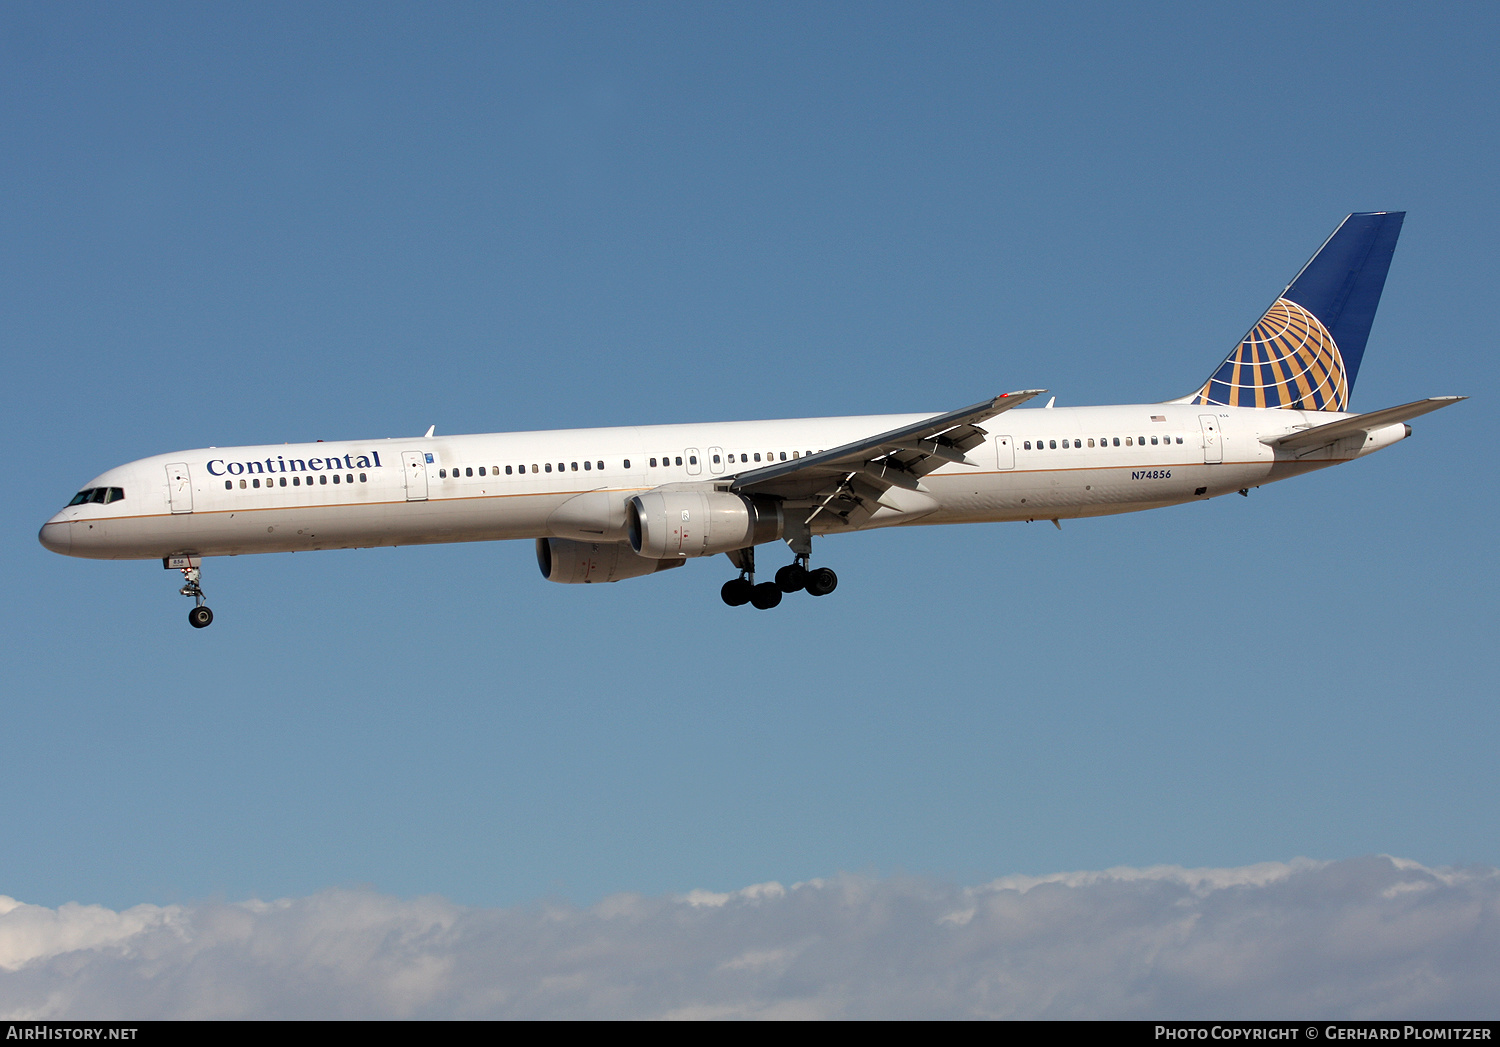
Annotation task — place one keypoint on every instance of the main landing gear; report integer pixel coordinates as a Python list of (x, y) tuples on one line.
[(200, 616), (794, 576)]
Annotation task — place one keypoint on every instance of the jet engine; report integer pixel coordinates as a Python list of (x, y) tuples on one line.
[(671, 524), (567, 561)]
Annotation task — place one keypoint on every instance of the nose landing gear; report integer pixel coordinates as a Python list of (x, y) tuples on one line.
[(191, 567)]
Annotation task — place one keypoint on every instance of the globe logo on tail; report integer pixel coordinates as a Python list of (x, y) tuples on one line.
[(1288, 360)]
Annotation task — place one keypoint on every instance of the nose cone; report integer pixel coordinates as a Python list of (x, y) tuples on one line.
[(57, 535)]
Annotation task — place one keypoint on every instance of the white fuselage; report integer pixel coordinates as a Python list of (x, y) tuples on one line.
[(1034, 464)]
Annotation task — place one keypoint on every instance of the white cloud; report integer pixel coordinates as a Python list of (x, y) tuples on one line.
[(1372, 937)]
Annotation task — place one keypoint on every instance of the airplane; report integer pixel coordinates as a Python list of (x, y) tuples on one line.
[(604, 505)]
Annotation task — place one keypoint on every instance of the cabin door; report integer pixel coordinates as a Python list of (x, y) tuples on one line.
[(179, 488), (414, 464), (1213, 440), (1005, 450)]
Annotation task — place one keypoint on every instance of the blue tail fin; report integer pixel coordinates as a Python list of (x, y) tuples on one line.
[(1305, 352)]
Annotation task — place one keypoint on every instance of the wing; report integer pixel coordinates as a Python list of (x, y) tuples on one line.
[(849, 484)]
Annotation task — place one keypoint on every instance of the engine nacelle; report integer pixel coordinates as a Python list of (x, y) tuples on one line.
[(569, 562), (665, 525)]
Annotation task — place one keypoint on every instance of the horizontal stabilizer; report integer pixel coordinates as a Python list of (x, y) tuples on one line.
[(1319, 435)]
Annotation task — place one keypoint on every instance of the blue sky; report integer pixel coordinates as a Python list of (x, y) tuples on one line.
[(237, 224)]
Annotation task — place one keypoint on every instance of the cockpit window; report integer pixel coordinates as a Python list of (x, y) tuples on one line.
[(98, 495)]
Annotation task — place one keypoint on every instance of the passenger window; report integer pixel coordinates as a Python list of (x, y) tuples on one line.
[(335, 477), (716, 459), (255, 482), (323, 479), (1052, 444), (296, 481), (679, 459), (283, 481), (757, 456), (469, 470), (1153, 441), (549, 467), (627, 463), (783, 456), (744, 457), (1127, 442), (601, 465), (794, 454), (442, 474), (228, 485), (1117, 441), (653, 463), (507, 471), (693, 459), (242, 485), (362, 477)]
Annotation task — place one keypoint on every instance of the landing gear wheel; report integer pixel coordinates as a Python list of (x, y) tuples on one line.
[(821, 582), (765, 596), (199, 617), (791, 578), (737, 592)]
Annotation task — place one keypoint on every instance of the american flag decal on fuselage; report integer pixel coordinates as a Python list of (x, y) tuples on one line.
[(1289, 359)]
